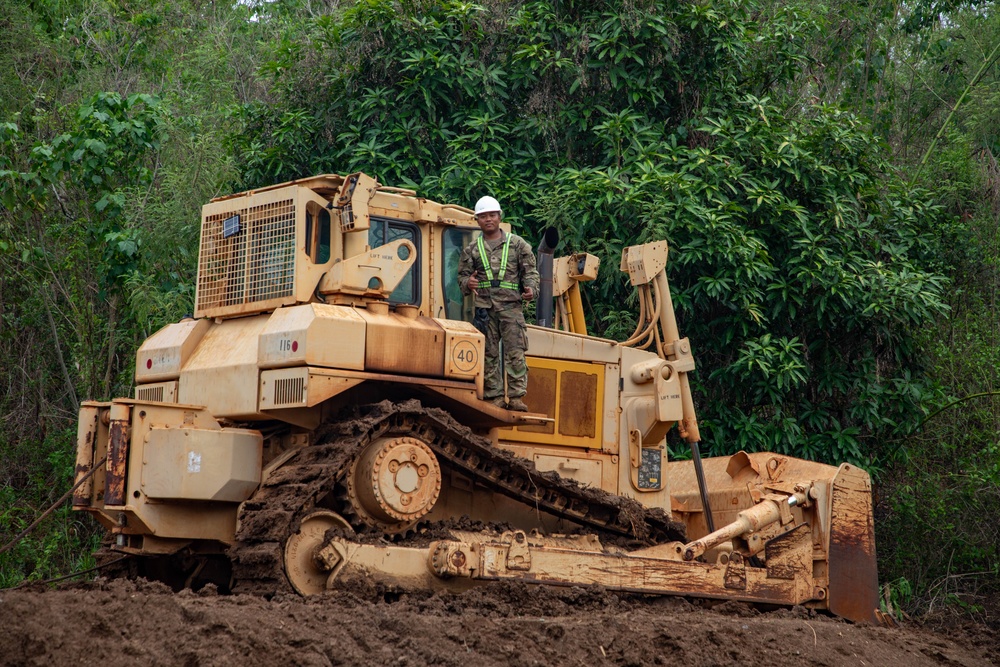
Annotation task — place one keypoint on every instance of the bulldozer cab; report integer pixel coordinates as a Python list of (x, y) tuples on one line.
[(342, 240)]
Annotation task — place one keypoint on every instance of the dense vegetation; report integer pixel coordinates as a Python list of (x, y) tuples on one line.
[(826, 176)]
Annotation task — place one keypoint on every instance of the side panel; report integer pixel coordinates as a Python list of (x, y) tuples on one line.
[(552, 344), (315, 334), (163, 355), (572, 394), (222, 373), (588, 472), (200, 464), (404, 346)]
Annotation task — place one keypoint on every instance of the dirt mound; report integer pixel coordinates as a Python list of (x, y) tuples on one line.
[(139, 623)]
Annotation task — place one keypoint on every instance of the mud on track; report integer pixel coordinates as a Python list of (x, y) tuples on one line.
[(138, 623)]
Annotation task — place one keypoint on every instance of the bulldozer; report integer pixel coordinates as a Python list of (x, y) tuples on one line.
[(320, 421)]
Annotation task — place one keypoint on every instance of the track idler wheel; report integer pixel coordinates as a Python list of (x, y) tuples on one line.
[(307, 564), (394, 483)]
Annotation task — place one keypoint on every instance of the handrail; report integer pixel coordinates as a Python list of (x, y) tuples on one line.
[(458, 208), (401, 191)]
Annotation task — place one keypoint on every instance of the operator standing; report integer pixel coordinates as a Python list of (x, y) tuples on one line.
[(500, 269)]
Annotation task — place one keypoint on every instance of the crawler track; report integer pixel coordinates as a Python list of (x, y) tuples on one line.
[(274, 512)]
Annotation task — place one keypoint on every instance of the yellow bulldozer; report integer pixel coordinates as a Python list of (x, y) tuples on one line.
[(320, 421)]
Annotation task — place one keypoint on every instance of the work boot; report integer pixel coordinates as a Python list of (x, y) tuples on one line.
[(499, 401), (517, 405)]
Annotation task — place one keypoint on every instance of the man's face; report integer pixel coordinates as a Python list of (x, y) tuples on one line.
[(488, 222)]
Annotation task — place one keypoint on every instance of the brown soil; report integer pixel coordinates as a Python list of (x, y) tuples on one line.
[(138, 623)]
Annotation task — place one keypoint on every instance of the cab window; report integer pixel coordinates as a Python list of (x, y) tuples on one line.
[(317, 233), (387, 230), (456, 305)]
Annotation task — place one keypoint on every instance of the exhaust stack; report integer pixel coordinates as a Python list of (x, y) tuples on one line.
[(546, 248)]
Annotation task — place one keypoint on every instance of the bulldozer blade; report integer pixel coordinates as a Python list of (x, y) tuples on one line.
[(853, 569)]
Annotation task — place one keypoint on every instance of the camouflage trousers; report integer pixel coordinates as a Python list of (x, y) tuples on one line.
[(506, 326)]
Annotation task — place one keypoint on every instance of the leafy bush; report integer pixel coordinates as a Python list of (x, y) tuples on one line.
[(64, 541)]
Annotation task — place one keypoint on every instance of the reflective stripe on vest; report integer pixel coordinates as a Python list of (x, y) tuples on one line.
[(495, 282)]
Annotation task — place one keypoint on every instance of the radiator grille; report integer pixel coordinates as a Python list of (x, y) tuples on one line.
[(256, 263), (289, 391), (154, 393), (160, 392)]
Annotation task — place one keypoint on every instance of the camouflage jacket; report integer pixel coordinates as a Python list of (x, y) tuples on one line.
[(520, 269)]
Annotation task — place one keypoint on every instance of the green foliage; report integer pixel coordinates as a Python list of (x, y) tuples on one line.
[(900, 596), (941, 496), (793, 271), (934, 524), (102, 153), (448, 93), (67, 193), (940, 509), (64, 541), (71, 192), (101, 194)]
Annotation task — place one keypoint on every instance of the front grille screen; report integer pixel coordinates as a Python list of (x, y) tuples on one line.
[(256, 263)]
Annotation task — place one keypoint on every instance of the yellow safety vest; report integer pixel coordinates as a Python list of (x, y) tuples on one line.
[(497, 282)]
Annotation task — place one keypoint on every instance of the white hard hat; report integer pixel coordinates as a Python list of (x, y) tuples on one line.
[(487, 204)]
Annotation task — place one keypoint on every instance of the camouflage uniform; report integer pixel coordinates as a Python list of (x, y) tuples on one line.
[(503, 306)]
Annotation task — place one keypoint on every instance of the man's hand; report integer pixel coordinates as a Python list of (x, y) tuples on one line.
[(473, 282), (528, 294)]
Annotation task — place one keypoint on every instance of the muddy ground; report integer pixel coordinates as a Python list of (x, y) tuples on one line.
[(120, 622)]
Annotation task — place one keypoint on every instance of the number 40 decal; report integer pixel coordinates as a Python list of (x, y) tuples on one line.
[(465, 356)]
